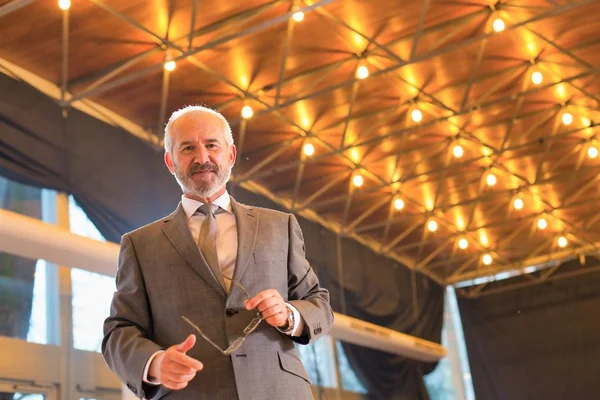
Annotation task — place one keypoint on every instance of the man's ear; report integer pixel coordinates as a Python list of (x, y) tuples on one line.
[(232, 154), (169, 162)]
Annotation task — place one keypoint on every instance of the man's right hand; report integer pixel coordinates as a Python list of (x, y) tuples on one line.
[(173, 368)]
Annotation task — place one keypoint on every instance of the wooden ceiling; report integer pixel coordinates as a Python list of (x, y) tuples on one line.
[(472, 86)]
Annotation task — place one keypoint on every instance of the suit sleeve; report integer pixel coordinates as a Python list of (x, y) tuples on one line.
[(126, 346), (304, 291)]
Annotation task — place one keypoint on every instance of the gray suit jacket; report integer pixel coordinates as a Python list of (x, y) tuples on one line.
[(162, 276)]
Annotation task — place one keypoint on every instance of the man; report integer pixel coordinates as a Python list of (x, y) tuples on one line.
[(215, 264)]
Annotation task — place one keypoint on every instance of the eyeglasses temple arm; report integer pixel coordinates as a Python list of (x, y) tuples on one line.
[(203, 335), (239, 286)]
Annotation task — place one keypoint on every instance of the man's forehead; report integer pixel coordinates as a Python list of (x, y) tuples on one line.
[(196, 123)]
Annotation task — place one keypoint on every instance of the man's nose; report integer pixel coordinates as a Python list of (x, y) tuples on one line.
[(201, 156)]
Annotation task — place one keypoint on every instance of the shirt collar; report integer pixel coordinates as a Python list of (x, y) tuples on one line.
[(190, 206)]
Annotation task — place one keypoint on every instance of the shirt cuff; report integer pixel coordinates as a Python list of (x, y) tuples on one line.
[(298, 322), (145, 377)]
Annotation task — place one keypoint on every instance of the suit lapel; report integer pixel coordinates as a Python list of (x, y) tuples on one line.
[(246, 219), (177, 231)]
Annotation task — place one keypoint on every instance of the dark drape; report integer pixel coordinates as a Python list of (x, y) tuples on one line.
[(122, 183), (119, 181), (537, 342)]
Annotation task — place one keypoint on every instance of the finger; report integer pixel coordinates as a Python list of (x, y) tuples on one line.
[(175, 385), (270, 302), (274, 310), (276, 320), (173, 367), (253, 302), (187, 361), (181, 378), (187, 344)]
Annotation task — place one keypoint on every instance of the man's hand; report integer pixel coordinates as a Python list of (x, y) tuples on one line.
[(173, 368), (271, 306)]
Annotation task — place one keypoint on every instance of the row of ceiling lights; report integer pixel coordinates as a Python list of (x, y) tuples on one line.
[(362, 72)]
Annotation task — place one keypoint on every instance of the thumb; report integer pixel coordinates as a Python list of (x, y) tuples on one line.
[(187, 344)]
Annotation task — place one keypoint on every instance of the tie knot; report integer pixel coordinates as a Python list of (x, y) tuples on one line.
[(208, 208)]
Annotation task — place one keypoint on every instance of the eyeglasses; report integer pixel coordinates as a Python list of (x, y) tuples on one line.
[(237, 342)]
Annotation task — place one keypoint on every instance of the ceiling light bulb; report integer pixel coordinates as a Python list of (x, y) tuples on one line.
[(362, 72), (170, 65), (247, 112), (416, 115), (64, 4), (567, 118), (458, 151), (398, 204), (498, 25), (432, 226), (491, 179), (518, 203), (586, 121), (463, 243), (537, 77), (562, 241), (542, 223), (298, 16), (358, 180), (487, 259), (592, 152), (309, 149)]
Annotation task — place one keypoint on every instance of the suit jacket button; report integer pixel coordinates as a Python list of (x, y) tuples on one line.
[(230, 312)]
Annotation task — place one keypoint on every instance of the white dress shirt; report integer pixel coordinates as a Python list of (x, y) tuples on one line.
[(227, 245)]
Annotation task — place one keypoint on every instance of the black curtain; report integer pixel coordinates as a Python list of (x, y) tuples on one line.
[(119, 181), (536, 342), (122, 183)]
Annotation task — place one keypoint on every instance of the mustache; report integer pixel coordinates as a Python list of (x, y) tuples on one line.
[(207, 166)]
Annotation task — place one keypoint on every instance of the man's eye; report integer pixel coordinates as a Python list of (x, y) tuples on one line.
[(186, 148)]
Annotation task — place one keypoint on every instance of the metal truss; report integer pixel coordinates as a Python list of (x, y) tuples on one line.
[(391, 125)]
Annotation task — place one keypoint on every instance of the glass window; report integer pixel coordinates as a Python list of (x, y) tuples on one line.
[(350, 381), (91, 292), (24, 396), (23, 291), (451, 378), (319, 360)]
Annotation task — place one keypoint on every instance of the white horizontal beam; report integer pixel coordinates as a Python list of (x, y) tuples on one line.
[(31, 238)]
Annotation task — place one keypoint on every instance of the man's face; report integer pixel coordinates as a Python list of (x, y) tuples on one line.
[(200, 157)]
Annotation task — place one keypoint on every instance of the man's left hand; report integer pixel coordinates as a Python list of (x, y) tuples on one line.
[(271, 306)]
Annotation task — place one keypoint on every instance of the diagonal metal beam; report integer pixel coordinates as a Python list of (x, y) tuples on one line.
[(265, 161), (435, 53), (557, 256), (355, 87), (401, 237), (324, 189), (64, 70), (410, 129), (556, 277), (415, 45), (367, 212), (13, 6), (474, 69), (284, 57), (209, 45), (163, 100), (432, 255), (192, 24)]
